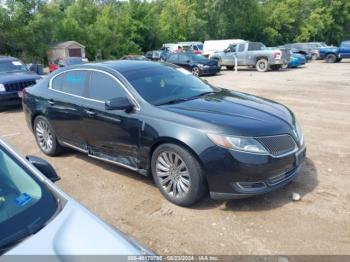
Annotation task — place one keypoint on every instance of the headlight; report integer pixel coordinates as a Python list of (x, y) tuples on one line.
[(2, 88), (299, 133), (246, 144), (200, 65)]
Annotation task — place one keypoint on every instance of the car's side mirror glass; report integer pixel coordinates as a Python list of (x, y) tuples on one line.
[(119, 103), (44, 167)]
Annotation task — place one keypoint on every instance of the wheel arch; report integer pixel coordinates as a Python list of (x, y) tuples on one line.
[(165, 140)]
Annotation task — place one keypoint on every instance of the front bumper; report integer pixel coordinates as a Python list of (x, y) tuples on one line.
[(212, 70), (234, 174), (9, 99)]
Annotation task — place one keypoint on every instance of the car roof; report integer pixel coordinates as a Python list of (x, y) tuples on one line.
[(7, 58), (121, 65)]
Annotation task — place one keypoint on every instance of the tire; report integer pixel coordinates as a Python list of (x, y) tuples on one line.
[(331, 58), (314, 57), (230, 67), (339, 60), (195, 71), (45, 137), (190, 187), (262, 65)]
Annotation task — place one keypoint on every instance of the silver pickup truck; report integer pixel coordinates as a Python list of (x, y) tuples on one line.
[(253, 54)]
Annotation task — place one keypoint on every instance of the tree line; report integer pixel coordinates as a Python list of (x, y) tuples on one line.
[(114, 28)]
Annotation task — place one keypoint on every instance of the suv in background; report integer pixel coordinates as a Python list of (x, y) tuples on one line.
[(332, 54), (252, 54), (68, 61), (14, 77)]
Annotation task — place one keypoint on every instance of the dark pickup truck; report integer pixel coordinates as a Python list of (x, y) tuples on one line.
[(333, 54), (14, 77)]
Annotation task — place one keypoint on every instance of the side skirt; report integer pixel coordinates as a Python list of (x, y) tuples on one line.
[(106, 159)]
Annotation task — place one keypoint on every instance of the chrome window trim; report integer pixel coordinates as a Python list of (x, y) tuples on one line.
[(134, 101)]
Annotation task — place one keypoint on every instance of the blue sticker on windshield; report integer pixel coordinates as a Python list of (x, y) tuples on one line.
[(23, 199)]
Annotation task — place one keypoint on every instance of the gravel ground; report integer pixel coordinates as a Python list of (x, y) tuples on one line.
[(319, 223)]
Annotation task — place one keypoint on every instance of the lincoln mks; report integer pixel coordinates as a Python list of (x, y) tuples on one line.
[(160, 120)]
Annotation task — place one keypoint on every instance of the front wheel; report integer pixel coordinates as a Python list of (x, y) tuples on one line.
[(262, 65), (195, 71), (331, 58), (46, 137), (177, 174)]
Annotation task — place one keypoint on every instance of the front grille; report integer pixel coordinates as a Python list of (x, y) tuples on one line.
[(19, 86), (278, 145)]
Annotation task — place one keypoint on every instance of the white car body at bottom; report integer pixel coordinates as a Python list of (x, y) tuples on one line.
[(74, 230)]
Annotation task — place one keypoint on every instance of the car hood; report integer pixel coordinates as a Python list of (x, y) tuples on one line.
[(18, 77), (237, 114), (76, 231)]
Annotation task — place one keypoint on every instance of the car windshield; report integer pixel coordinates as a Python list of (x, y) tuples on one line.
[(25, 204), (12, 66), (200, 47), (74, 61), (165, 84)]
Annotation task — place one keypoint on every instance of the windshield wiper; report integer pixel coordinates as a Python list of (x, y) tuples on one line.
[(19, 236), (179, 100)]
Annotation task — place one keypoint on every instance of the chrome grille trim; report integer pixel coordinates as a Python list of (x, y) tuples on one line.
[(19, 86)]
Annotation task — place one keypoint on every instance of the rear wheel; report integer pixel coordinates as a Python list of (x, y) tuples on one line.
[(195, 71), (262, 65), (331, 58), (313, 57), (46, 137), (177, 174)]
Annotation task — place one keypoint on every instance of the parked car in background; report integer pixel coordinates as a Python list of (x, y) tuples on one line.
[(134, 57), (296, 60), (14, 77), (62, 62), (212, 46), (197, 64), (37, 218), (304, 49), (157, 55), (252, 54), (194, 47), (158, 119), (332, 54)]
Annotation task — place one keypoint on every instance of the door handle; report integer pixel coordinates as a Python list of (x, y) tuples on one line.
[(90, 112), (51, 102)]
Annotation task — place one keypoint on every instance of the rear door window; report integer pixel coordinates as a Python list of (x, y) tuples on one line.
[(103, 87), (173, 59), (74, 82)]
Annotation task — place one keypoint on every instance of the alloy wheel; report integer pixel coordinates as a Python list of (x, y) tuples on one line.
[(195, 71), (44, 135), (173, 174)]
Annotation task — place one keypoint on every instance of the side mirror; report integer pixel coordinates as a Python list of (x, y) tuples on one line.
[(188, 61), (44, 167), (119, 103)]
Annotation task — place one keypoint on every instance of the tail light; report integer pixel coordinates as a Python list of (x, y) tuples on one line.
[(277, 55)]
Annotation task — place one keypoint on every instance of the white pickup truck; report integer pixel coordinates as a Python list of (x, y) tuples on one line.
[(252, 54)]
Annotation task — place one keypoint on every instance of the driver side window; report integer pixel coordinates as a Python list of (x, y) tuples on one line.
[(103, 87)]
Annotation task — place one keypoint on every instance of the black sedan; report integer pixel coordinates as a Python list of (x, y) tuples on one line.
[(197, 64), (160, 120)]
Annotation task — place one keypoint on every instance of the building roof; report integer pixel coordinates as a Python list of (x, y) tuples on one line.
[(66, 44)]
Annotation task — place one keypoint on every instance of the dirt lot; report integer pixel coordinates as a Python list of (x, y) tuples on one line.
[(319, 94)]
